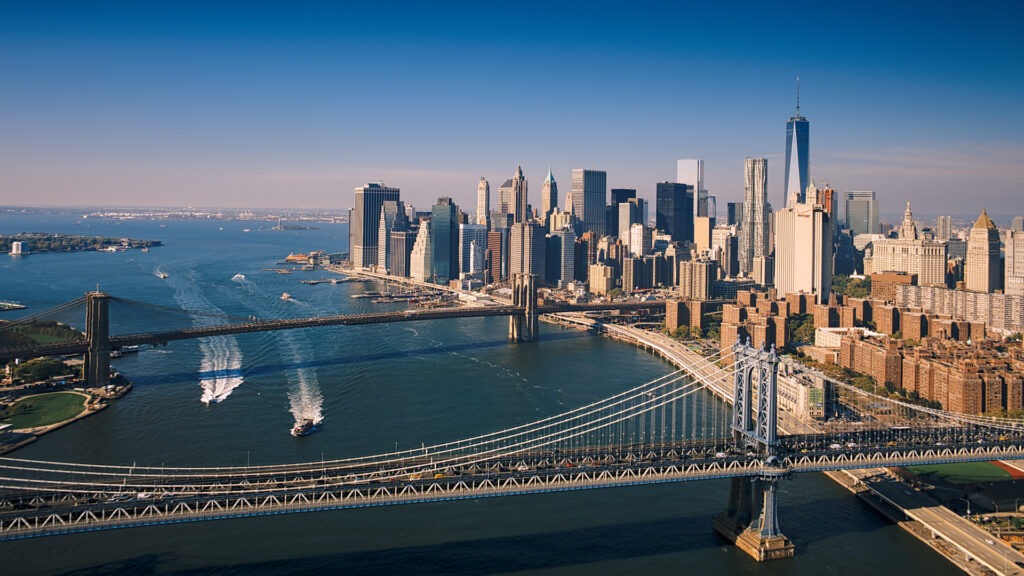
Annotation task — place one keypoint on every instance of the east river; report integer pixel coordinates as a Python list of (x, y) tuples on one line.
[(232, 400)]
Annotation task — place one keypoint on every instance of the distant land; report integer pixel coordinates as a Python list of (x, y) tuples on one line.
[(45, 242)]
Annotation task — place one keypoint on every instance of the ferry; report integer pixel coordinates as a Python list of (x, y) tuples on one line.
[(303, 427), (286, 296)]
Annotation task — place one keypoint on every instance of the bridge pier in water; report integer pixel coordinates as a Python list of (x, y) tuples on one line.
[(524, 294), (97, 332), (755, 423)]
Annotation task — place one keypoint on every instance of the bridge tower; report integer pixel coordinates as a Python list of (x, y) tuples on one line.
[(755, 424), (523, 328), (97, 332)]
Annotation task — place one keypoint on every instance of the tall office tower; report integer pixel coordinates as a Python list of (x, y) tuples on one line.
[(630, 212), (364, 221), (470, 235), (561, 257), (1014, 274), (505, 204), (640, 239), (519, 202), (944, 228), (497, 254), (392, 217), (708, 207), (526, 249), (797, 136), (754, 235), (548, 196), (803, 250), (981, 271), (619, 195), (675, 210), (725, 244), (589, 194), (1018, 223), (421, 261), (483, 202), (690, 171), (911, 253), (444, 240), (402, 242), (734, 214), (862, 212), (702, 226)]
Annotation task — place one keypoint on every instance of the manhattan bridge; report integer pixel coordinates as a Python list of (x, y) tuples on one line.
[(654, 432)]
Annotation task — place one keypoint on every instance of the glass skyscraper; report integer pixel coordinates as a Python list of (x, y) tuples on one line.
[(861, 212), (589, 195), (675, 210), (797, 154), (444, 240)]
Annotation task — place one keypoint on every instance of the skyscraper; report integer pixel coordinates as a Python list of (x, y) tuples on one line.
[(548, 196), (675, 210), (421, 260), (483, 202), (803, 250), (364, 222), (392, 217), (944, 228), (630, 212), (1013, 277), (561, 257), (519, 201), (981, 271), (526, 249), (1018, 223), (911, 253), (861, 212), (734, 214), (690, 171), (797, 135), (754, 234), (444, 240), (589, 194), (470, 236)]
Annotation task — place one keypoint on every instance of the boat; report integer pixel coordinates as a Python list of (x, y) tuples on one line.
[(245, 229), (286, 296), (303, 427), (145, 249), (238, 277), (161, 275)]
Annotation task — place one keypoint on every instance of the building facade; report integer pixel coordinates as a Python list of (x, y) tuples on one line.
[(754, 232), (982, 269), (548, 197), (674, 206), (861, 212), (589, 195), (803, 250), (364, 223), (910, 253), (483, 202), (797, 176)]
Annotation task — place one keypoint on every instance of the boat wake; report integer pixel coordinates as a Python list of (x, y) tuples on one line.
[(220, 370)]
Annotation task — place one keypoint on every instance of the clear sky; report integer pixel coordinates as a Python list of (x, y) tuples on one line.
[(293, 104)]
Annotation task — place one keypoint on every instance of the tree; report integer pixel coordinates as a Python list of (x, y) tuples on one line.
[(40, 369), (682, 333), (615, 293)]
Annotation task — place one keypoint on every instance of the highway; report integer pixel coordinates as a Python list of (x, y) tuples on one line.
[(974, 542)]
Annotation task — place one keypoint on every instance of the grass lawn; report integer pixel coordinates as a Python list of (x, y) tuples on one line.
[(963, 473), (46, 409)]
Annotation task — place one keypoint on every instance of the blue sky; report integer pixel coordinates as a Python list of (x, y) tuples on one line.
[(294, 104)]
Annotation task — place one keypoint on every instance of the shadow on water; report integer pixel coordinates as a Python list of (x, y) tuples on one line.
[(339, 361), (537, 551)]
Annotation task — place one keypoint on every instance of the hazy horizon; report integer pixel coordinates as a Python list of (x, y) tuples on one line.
[(207, 104)]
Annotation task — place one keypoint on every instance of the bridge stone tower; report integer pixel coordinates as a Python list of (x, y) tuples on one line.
[(755, 424), (524, 294), (97, 332)]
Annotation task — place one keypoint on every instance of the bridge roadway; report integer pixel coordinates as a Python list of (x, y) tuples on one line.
[(81, 346), (51, 498)]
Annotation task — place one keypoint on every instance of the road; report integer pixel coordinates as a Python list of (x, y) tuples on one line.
[(974, 542)]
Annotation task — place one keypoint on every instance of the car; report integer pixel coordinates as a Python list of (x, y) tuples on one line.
[(835, 447), (720, 454), (989, 542)]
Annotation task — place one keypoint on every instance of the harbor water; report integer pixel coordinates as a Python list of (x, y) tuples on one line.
[(233, 400)]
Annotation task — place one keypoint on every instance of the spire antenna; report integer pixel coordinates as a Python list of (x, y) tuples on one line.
[(798, 96)]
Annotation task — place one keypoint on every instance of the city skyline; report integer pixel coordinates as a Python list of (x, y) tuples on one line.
[(154, 105)]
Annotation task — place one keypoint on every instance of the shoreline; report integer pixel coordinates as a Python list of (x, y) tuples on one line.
[(864, 493)]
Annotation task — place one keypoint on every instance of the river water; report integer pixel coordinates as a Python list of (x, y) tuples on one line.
[(232, 400)]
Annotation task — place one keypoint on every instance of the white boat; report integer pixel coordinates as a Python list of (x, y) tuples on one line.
[(286, 296), (161, 275), (303, 427), (238, 277)]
